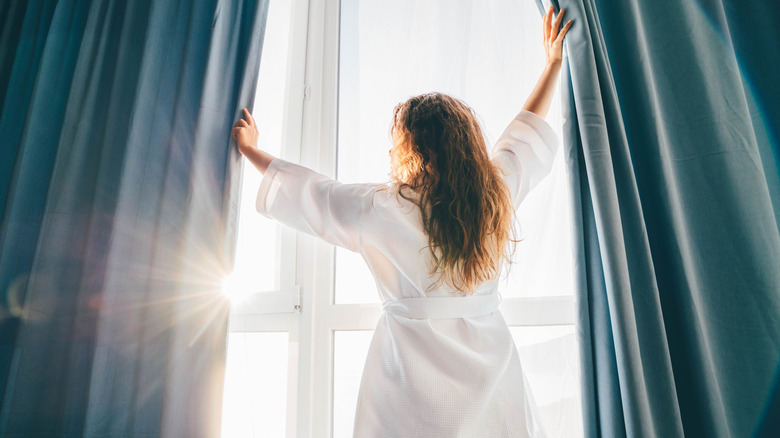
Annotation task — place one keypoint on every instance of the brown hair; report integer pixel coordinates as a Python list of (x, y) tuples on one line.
[(439, 152)]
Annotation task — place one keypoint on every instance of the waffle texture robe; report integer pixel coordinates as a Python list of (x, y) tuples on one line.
[(440, 364)]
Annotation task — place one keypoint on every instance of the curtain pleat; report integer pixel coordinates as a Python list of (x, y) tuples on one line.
[(118, 192), (671, 141)]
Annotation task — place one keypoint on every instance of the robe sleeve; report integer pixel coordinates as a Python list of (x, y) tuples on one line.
[(312, 203), (525, 153)]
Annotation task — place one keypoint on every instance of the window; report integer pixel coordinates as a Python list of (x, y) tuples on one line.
[(261, 371), (255, 385), (348, 64)]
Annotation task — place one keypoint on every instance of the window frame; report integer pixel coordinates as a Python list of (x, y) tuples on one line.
[(305, 304)]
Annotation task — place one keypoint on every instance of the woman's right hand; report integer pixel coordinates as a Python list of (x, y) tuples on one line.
[(538, 101), (553, 38)]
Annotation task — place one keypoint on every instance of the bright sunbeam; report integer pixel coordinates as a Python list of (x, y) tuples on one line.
[(237, 287)]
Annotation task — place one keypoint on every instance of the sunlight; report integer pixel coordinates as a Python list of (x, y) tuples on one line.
[(238, 286)]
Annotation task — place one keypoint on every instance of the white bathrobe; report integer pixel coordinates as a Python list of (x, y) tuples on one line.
[(440, 364)]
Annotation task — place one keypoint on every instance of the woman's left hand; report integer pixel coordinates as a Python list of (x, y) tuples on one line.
[(245, 132)]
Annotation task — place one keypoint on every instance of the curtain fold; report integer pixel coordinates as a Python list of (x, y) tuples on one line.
[(118, 190), (671, 139)]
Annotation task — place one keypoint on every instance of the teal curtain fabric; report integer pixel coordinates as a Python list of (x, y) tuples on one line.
[(671, 136), (118, 190)]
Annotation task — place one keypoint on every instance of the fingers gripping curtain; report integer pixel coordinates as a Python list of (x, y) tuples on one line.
[(671, 136), (117, 190)]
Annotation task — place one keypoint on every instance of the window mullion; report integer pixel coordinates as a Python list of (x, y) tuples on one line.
[(314, 259)]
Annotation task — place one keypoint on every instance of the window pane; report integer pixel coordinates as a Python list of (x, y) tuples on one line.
[(543, 264), (255, 397), (351, 348), (487, 53), (549, 356), (256, 248), (354, 281)]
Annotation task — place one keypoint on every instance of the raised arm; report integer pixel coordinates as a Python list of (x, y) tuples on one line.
[(539, 100), (526, 149), (301, 198)]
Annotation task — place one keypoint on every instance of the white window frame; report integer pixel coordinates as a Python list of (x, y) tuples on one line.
[(304, 306)]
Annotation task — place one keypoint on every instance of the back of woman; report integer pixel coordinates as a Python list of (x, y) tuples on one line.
[(442, 361)]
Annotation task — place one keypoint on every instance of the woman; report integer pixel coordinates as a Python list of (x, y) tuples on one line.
[(442, 362)]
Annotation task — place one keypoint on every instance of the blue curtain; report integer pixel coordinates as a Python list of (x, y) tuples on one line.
[(118, 190), (671, 136)]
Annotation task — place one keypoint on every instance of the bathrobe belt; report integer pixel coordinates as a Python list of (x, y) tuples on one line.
[(444, 307)]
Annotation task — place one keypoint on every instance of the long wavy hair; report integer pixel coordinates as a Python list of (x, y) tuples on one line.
[(439, 153)]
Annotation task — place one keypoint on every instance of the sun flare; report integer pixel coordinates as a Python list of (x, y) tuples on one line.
[(237, 287)]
